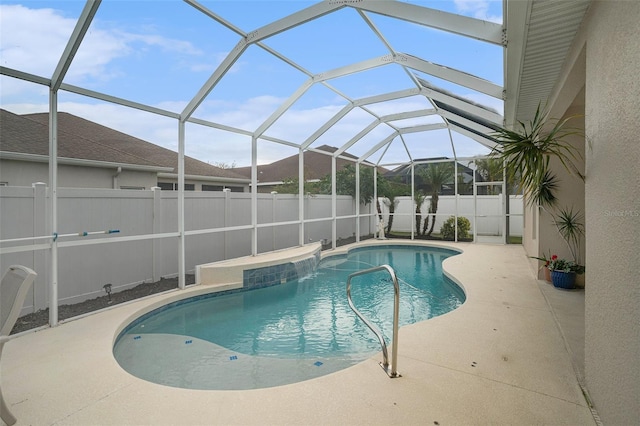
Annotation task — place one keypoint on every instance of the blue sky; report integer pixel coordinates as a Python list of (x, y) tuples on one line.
[(160, 53)]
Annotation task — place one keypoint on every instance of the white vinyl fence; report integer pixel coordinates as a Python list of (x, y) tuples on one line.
[(486, 208), (145, 248)]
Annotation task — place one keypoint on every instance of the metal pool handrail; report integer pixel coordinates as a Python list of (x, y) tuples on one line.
[(393, 372)]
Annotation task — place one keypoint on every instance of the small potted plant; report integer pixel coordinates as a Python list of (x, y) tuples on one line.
[(563, 272), (545, 266)]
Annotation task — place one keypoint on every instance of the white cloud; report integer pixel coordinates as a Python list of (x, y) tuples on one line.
[(33, 40), (478, 9), (167, 44)]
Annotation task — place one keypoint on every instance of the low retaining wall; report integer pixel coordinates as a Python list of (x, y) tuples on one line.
[(262, 270)]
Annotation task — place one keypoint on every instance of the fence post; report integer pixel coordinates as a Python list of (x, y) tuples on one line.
[(274, 196), (40, 264), (227, 220), (156, 228)]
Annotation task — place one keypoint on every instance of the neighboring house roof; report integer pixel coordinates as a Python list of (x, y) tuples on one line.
[(83, 139), (19, 134), (316, 166)]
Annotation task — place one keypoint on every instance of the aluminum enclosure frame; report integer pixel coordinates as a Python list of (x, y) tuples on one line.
[(471, 124)]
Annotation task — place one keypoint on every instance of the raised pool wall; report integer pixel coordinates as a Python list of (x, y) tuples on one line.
[(263, 270)]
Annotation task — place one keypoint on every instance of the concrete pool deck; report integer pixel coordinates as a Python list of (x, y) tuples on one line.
[(511, 354)]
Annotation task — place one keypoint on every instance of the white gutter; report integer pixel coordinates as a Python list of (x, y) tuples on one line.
[(279, 182), (205, 178), (37, 158)]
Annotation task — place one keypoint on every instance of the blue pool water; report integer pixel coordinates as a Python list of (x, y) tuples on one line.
[(289, 332)]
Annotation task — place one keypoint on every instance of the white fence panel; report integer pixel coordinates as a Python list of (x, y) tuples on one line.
[(486, 205), (85, 269), (22, 213)]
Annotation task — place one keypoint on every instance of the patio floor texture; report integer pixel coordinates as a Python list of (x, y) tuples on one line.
[(511, 354)]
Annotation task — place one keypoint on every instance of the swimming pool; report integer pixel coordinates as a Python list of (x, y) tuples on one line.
[(290, 332)]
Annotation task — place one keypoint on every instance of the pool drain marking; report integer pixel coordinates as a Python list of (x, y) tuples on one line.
[(317, 363), (188, 342), (137, 337), (233, 358)]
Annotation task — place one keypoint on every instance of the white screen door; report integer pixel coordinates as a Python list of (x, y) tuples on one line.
[(490, 212)]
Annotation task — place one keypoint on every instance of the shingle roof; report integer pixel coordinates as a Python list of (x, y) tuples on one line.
[(83, 139), (21, 134), (316, 166)]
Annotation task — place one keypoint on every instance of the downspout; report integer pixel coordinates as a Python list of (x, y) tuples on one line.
[(115, 177)]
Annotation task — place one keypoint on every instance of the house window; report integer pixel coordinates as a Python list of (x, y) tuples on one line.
[(235, 188), (4, 183), (140, 188), (167, 186), (212, 187)]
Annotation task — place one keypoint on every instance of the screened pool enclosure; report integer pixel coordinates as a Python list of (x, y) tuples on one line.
[(407, 93)]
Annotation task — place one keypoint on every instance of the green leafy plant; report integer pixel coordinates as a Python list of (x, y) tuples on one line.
[(571, 229), (564, 265), (526, 152), (544, 258), (435, 175), (544, 193), (346, 183), (448, 228), (391, 190)]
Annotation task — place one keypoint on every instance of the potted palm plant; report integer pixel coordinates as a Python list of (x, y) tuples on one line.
[(563, 271), (525, 152)]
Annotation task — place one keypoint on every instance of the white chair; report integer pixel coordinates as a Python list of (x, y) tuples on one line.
[(13, 290)]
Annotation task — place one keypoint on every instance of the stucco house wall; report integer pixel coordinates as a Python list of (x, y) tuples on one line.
[(612, 118), (600, 80), (25, 173)]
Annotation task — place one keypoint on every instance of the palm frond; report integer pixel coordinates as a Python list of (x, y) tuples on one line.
[(570, 227), (528, 150)]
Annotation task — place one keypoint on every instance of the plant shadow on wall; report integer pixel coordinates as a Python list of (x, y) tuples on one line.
[(525, 153)]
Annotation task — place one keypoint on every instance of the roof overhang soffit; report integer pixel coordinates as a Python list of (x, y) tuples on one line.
[(516, 22), (541, 46)]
